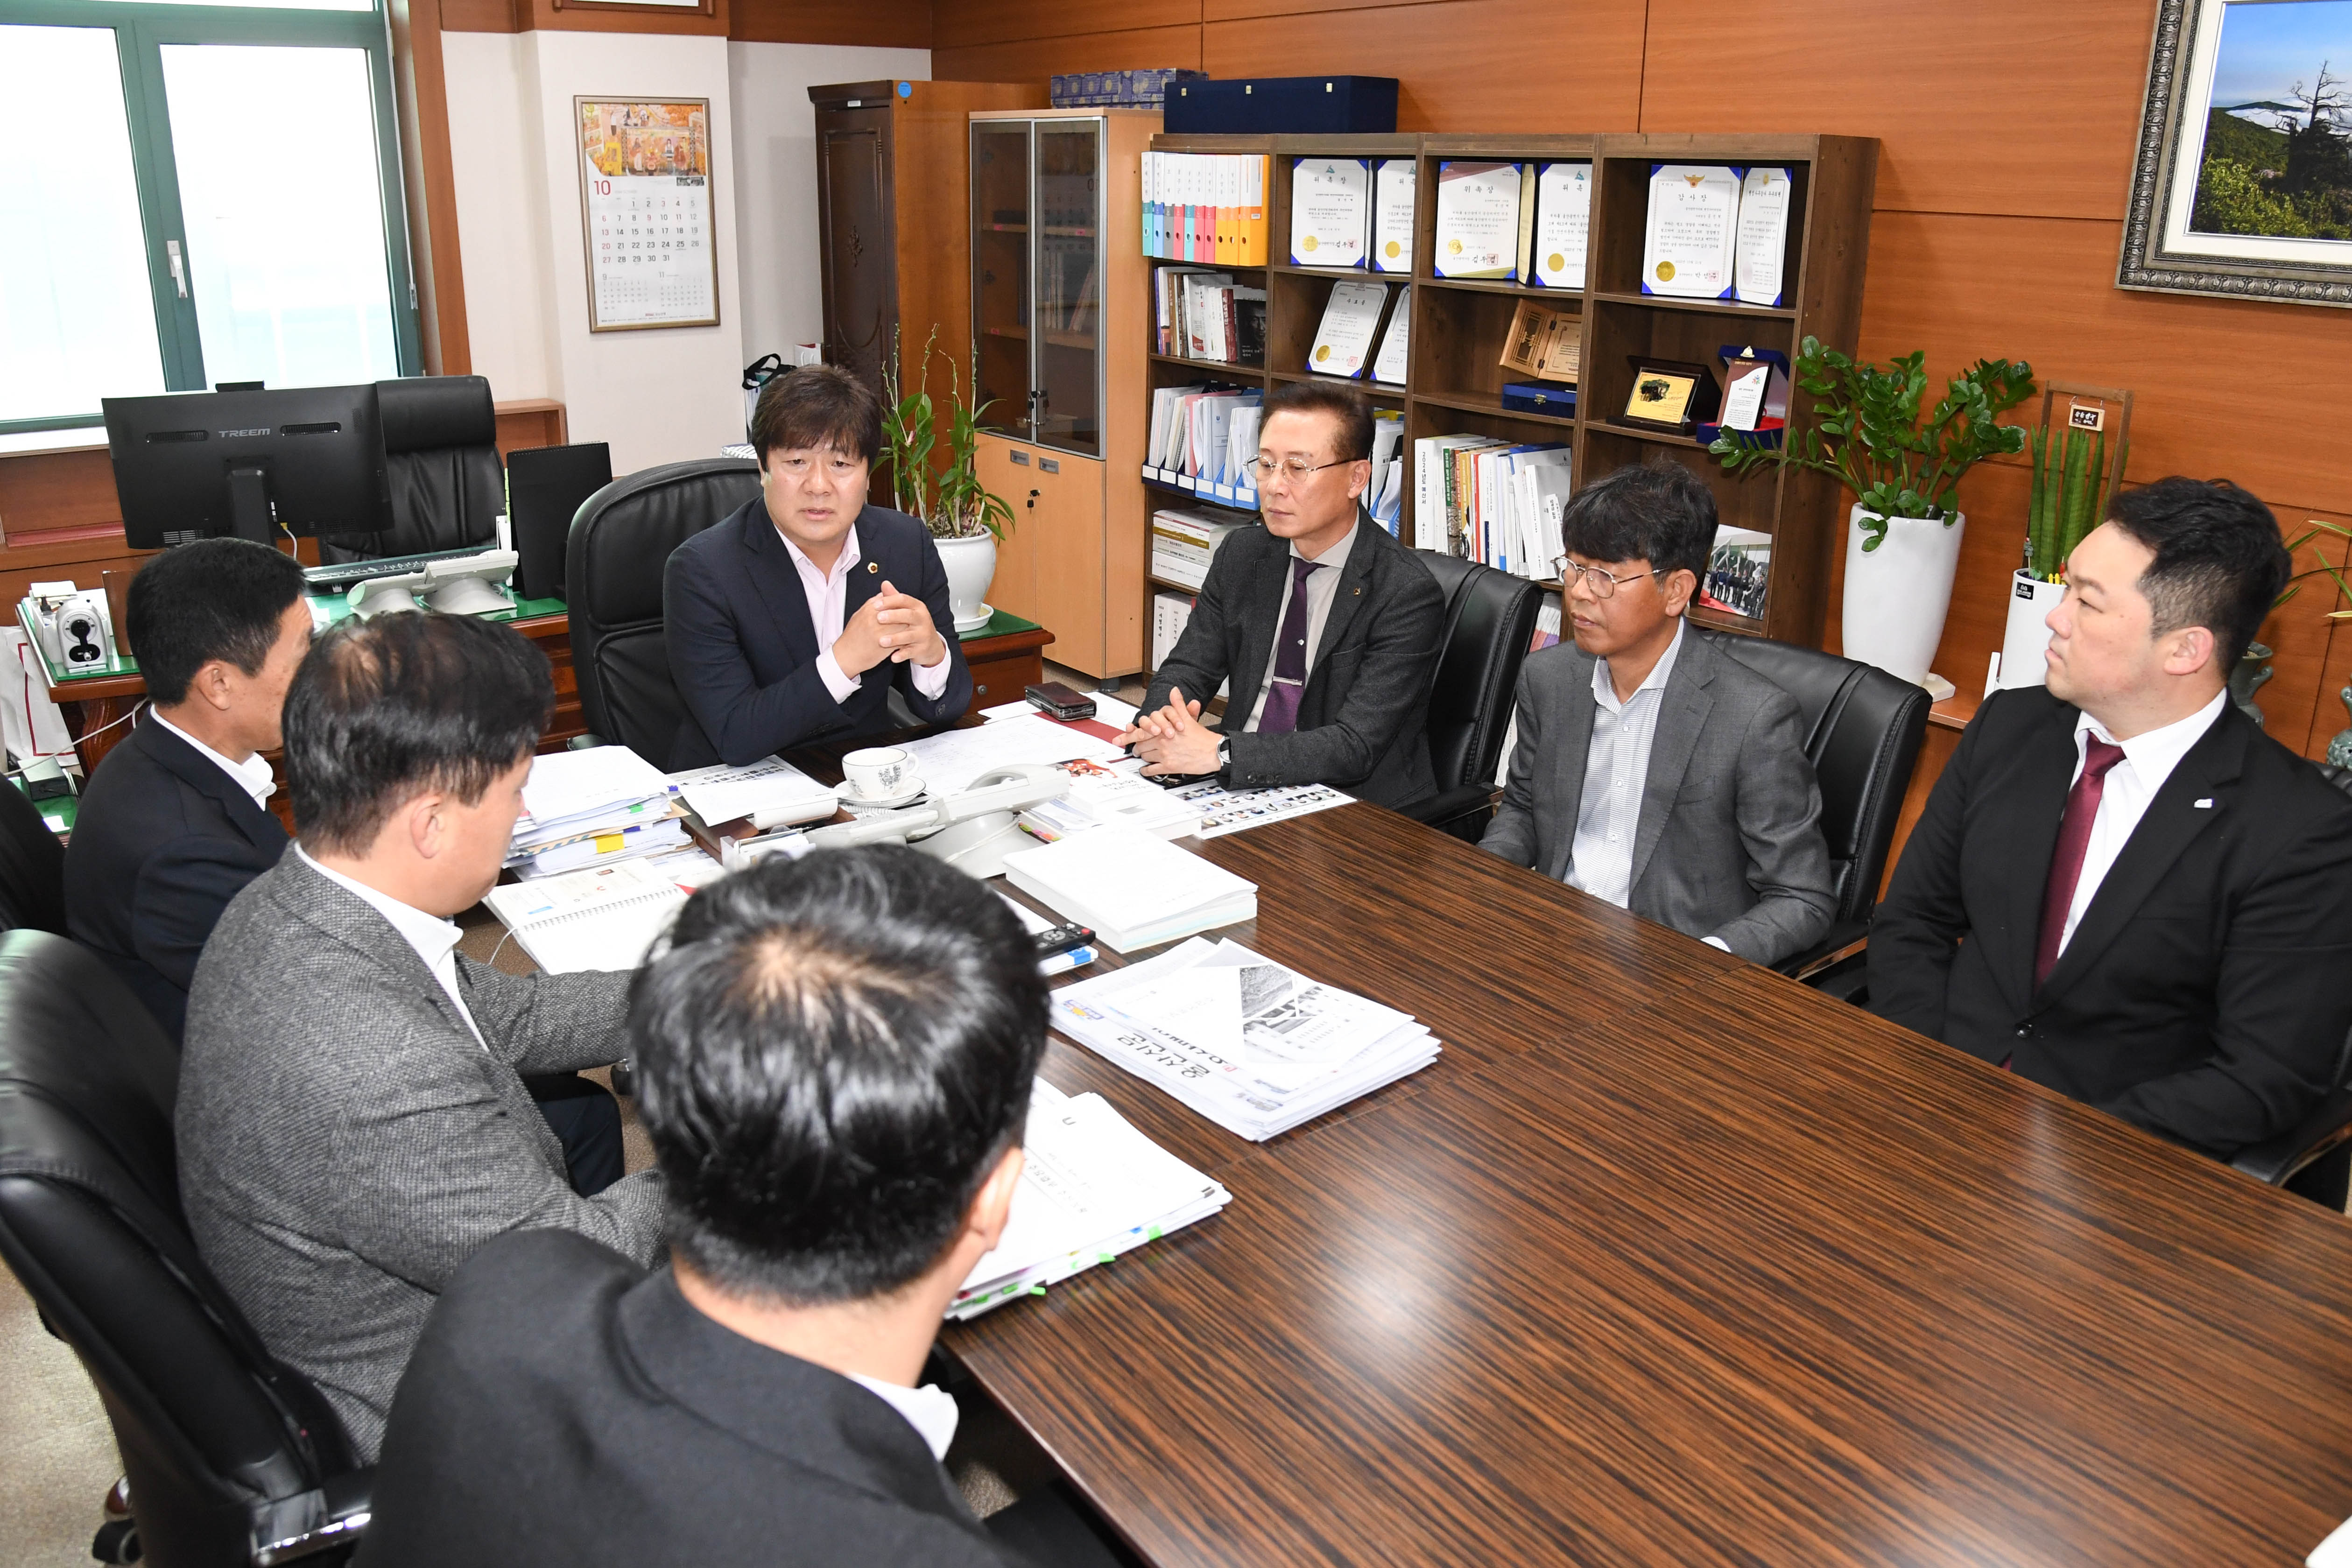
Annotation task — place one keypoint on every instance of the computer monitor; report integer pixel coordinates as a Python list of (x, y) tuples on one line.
[(194, 465)]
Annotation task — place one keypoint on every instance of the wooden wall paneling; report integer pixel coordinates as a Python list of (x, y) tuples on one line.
[(2208, 373), (482, 16), (974, 23), (41, 492), (1033, 60), (881, 23), (1534, 66), (531, 421), (2036, 116), (429, 183)]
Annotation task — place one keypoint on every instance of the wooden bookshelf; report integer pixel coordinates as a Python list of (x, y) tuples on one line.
[(1454, 382)]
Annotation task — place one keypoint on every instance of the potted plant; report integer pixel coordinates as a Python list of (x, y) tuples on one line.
[(942, 486), (2070, 489), (1904, 543)]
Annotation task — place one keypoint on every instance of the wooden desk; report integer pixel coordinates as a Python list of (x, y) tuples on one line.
[(1669, 1260)]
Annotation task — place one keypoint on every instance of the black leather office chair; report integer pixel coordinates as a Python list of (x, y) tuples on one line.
[(2314, 1159), (231, 1457), (1863, 731), (1490, 617), (613, 566), (441, 463), (32, 867)]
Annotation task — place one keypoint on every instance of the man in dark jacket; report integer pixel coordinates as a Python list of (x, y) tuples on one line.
[(176, 820), (1326, 626), (794, 618)]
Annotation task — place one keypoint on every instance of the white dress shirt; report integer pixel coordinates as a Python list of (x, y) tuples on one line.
[(1322, 587), (1616, 768), (433, 938), (252, 775), (828, 608), (2131, 784), (930, 1410)]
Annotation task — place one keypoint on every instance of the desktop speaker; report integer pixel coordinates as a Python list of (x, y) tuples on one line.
[(545, 486)]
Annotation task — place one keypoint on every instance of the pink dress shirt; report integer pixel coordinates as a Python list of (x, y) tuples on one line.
[(828, 608)]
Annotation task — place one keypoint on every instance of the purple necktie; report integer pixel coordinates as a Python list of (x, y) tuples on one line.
[(2073, 843), (1280, 715)]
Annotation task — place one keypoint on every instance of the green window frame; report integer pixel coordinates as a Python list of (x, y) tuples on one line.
[(142, 29)]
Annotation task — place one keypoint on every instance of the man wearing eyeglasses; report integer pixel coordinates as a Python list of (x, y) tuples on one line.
[(1652, 768), (1326, 626)]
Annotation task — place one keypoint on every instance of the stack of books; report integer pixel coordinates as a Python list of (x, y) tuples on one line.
[(1091, 1188), (1256, 1047), (591, 808), (1184, 543), (1134, 890), (1202, 439), (1114, 89), (1204, 315), (1491, 501), (1206, 206)]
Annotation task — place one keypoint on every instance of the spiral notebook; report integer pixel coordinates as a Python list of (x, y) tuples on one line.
[(604, 917)]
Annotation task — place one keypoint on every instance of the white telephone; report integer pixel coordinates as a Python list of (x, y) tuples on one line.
[(972, 830)]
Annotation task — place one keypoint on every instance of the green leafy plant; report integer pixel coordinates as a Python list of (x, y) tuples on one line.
[(942, 488), (2312, 528), (1867, 431), (2070, 489)]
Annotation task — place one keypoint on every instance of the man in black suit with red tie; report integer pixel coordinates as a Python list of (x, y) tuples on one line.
[(2120, 887)]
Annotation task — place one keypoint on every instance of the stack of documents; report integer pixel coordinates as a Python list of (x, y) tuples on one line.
[(1183, 544), (1255, 1047), (1136, 891), (1118, 796), (949, 761), (591, 808), (1091, 1188)]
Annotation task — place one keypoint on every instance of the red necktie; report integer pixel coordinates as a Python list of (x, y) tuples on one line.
[(1280, 714), (2074, 840)]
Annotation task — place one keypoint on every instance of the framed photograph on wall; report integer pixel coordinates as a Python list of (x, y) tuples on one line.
[(646, 213), (2243, 182)]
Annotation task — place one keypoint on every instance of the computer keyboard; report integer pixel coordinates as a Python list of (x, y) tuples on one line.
[(346, 573)]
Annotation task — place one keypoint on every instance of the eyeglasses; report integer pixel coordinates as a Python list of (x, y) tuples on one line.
[(1602, 585), (1293, 469)]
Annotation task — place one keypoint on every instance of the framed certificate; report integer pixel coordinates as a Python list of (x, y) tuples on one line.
[(1686, 244), (646, 213)]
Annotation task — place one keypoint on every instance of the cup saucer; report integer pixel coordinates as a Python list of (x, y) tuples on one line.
[(856, 801)]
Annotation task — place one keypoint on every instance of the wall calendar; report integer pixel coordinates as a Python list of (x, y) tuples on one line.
[(645, 195)]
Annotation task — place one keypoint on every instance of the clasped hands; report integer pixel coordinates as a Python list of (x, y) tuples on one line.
[(1173, 739), (892, 626)]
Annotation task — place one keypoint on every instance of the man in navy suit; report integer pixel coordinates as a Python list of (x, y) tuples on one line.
[(792, 619), (175, 820)]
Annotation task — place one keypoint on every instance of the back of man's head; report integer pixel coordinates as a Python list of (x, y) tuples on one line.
[(2219, 562), (1659, 512), (832, 1056), (385, 709), (213, 598)]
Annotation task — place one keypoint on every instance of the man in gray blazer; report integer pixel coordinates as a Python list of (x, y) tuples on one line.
[(352, 1121), (1652, 768)]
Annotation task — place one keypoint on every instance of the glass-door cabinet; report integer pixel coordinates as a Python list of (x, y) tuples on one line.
[(1037, 216)]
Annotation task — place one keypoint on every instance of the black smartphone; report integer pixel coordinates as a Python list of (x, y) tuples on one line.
[(1060, 701)]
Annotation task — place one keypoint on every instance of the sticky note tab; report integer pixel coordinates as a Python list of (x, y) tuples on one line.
[(607, 843)]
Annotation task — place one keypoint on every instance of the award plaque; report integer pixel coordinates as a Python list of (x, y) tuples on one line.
[(1687, 241), (1668, 394)]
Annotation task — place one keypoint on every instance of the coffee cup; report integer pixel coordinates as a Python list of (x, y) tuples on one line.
[(879, 772)]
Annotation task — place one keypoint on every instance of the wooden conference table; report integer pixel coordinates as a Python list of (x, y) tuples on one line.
[(1668, 1260)]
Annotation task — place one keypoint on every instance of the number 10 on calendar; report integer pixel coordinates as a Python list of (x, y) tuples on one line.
[(646, 174)]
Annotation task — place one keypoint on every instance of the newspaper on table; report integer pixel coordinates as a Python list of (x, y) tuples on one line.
[(1256, 1047), (721, 794), (1225, 811), (1091, 1188)]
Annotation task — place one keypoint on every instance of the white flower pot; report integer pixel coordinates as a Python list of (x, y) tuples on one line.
[(1895, 596), (971, 566), (2030, 600)]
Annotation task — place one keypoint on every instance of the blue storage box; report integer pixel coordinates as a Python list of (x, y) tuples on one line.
[(1282, 106), (1541, 397)]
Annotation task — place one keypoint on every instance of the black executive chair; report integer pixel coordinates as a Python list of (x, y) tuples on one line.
[(2314, 1159), (442, 465), (1862, 731), (231, 1457), (32, 867), (1490, 617), (613, 566)]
